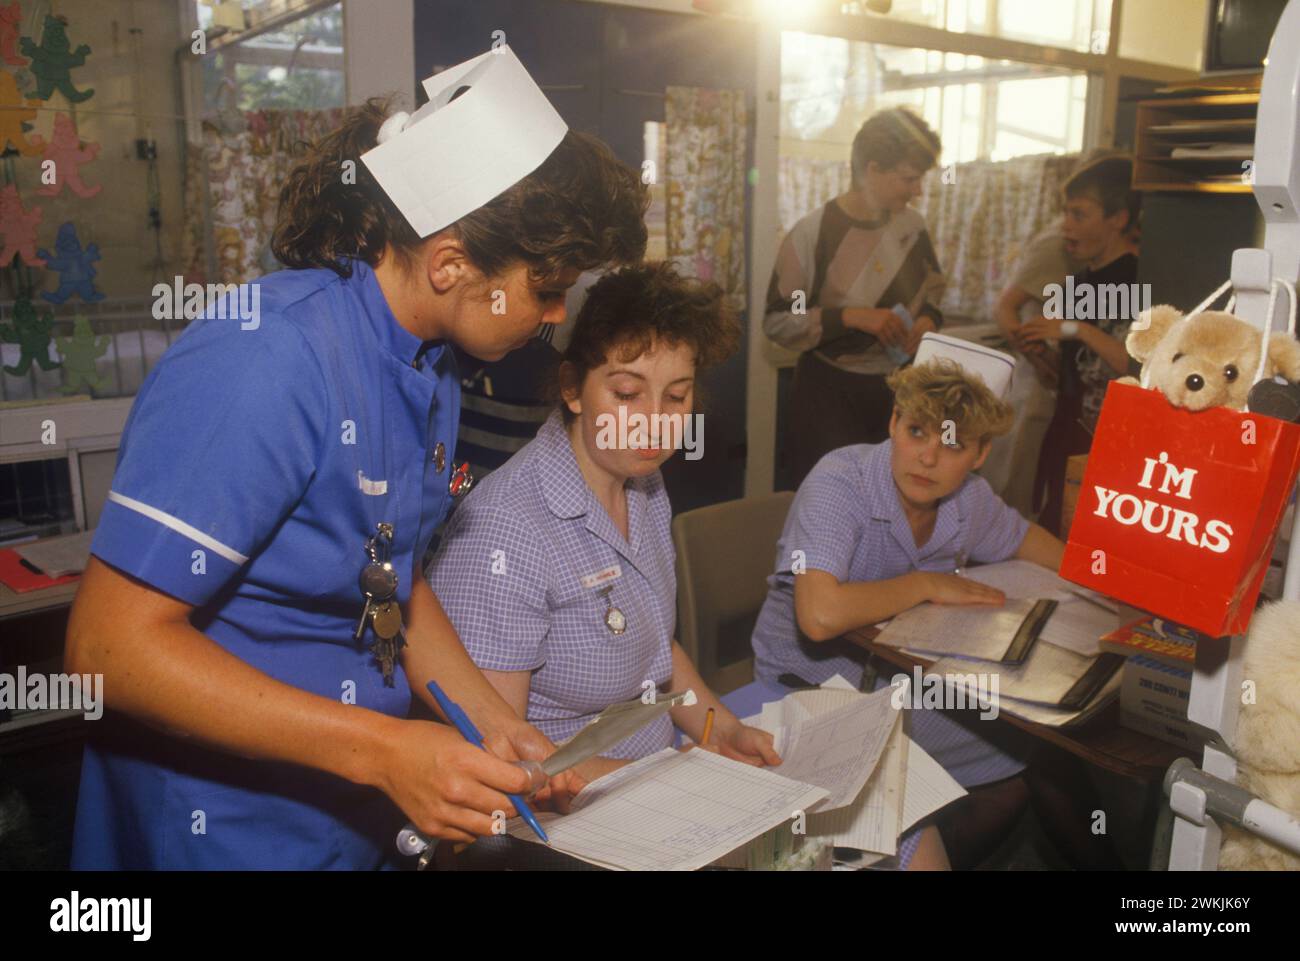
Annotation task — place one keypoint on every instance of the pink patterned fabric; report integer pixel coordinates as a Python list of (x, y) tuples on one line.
[(232, 189), (706, 186)]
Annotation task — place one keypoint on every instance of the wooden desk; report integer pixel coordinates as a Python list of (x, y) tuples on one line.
[(1100, 740)]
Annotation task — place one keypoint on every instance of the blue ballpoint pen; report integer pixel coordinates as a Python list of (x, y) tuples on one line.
[(470, 733)]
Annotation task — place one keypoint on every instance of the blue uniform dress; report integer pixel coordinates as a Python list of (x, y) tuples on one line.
[(846, 520), (520, 573), (254, 465)]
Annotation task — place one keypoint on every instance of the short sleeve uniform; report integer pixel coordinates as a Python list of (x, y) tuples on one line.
[(259, 455), (528, 570), (846, 520)]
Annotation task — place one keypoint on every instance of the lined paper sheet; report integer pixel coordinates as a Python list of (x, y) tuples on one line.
[(839, 743), (673, 812), (874, 820), (929, 786), (906, 785)]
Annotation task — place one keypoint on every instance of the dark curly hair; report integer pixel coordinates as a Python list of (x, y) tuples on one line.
[(582, 208), (630, 309)]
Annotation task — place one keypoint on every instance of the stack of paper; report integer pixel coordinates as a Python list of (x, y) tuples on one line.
[(847, 767), (906, 785), (673, 811), (1063, 667)]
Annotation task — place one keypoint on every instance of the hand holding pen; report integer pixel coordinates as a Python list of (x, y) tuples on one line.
[(466, 727)]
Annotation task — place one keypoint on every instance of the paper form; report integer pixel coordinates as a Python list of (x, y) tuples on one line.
[(906, 785), (1022, 579), (874, 819), (1078, 625), (871, 820), (672, 811), (839, 743)]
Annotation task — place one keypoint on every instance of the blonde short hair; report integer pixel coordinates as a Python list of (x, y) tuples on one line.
[(939, 391)]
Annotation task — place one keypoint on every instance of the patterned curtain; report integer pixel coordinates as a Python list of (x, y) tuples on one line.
[(232, 189), (706, 186), (980, 215), (806, 183)]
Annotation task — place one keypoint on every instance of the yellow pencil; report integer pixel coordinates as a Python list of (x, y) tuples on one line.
[(708, 728)]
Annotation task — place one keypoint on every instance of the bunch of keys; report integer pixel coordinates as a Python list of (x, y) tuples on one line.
[(378, 583)]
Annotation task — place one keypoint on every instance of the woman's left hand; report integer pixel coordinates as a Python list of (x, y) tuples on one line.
[(749, 745)]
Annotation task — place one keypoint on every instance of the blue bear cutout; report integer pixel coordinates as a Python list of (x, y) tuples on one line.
[(76, 275)]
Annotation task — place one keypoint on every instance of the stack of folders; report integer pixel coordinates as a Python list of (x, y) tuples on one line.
[(1042, 648)]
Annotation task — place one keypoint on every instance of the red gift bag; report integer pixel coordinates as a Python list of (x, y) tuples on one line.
[(1178, 510)]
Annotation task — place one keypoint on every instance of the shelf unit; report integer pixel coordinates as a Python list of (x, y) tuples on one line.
[(1166, 124)]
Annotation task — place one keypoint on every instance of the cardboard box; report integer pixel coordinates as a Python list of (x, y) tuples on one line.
[(1153, 700)]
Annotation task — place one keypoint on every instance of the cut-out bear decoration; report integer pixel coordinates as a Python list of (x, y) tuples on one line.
[(18, 227), (80, 351), (31, 332), (11, 21), (66, 152), (16, 117), (76, 275), (53, 60)]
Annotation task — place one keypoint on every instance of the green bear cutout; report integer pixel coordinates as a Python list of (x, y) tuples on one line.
[(31, 332), (53, 60), (80, 351)]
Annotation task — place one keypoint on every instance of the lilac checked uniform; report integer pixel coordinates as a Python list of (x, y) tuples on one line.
[(510, 574), (847, 521)]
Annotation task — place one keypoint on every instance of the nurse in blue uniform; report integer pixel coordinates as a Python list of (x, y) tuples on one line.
[(299, 442)]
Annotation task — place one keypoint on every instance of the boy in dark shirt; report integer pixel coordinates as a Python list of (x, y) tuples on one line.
[(1090, 317)]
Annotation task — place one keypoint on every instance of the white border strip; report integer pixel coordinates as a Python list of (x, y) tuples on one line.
[(179, 526)]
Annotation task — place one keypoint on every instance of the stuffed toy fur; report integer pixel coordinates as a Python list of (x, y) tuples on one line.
[(1207, 360), (1268, 735)]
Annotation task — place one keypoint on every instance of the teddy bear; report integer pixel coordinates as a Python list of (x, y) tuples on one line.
[(1267, 742), (1206, 360)]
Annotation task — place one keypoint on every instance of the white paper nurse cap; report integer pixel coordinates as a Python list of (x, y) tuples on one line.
[(991, 366), (486, 126)]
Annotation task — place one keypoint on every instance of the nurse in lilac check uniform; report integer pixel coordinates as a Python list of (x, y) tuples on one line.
[(877, 529), (558, 571)]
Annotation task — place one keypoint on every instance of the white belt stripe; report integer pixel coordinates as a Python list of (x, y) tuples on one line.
[(180, 527)]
